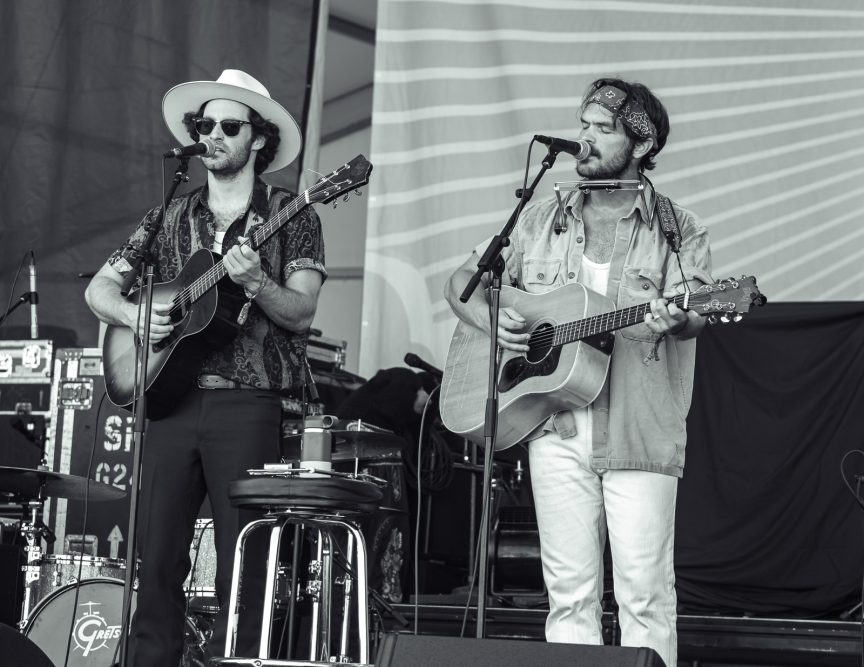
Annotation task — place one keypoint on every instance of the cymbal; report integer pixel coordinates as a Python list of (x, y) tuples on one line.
[(26, 482)]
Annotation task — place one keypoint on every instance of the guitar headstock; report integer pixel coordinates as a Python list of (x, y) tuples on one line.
[(731, 299), (346, 178)]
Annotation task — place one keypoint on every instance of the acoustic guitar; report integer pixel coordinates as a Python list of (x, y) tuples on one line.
[(568, 360), (205, 308)]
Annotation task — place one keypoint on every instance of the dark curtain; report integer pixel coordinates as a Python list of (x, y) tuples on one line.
[(765, 523), (81, 130)]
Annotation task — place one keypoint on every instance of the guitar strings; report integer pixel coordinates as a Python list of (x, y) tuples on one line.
[(182, 298), (583, 328), (210, 278)]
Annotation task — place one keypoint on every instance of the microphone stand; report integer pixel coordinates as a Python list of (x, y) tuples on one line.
[(493, 264), (26, 297), (143, 264)]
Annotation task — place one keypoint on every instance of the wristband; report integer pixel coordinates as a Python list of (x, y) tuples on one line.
[(249, 293)]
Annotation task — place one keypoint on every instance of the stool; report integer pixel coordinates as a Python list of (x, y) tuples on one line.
[(322, 504)]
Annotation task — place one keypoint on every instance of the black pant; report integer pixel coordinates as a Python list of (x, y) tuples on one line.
[(211, 439)]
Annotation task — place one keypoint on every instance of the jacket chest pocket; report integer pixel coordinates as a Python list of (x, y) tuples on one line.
[(638, 286), (540, 275)]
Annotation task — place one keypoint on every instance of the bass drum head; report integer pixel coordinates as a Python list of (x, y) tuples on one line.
[(94, 625), (95, 628)]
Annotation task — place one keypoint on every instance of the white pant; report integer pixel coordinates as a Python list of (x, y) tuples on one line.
[(575, 506)]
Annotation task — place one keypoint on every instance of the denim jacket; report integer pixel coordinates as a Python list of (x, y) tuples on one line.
[(639, 416)]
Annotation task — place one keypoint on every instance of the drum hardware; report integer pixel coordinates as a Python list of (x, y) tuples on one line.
[(33, 531), (32, 486)]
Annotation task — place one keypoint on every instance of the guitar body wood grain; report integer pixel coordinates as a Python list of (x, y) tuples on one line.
[(538, 387)]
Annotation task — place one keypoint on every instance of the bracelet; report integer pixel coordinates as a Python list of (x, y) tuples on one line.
[(251, 295)]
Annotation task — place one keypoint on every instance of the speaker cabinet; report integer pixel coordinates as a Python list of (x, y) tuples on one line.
[(426, 651)]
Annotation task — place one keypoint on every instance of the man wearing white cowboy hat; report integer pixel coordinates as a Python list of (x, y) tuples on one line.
[(230, 421)]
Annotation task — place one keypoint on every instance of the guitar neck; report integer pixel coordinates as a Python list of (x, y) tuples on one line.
[(598, 324), (259, 236)]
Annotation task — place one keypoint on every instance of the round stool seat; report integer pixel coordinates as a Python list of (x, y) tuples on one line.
[(338, 495)]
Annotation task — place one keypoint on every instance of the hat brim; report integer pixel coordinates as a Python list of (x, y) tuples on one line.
[(192, 95)]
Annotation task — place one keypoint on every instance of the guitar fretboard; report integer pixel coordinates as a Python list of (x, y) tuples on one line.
[(260, 234), (598, 324)]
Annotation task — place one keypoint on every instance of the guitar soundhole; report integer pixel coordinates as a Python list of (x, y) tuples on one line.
[(179, 311), (540, 343), (540, 360)]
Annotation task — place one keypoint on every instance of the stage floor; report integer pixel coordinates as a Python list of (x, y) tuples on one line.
[(703, 641)]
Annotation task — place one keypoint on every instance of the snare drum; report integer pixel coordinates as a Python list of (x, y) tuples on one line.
[(202, 553), (57, 571)]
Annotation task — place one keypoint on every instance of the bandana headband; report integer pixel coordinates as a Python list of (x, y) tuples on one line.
[(630, 112)]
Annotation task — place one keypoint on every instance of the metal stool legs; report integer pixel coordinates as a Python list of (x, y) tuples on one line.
[(319, 586)]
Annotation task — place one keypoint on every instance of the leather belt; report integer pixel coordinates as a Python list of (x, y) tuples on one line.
[(210, 381)]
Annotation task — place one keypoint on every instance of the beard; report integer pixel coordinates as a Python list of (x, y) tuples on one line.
[(608, 169), (232, 161)]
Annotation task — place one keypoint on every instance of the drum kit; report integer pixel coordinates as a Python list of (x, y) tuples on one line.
[(73, 603)]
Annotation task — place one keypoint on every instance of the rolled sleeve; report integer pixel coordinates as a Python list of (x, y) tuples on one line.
[(303, 246), (695, 257), (124, 257)]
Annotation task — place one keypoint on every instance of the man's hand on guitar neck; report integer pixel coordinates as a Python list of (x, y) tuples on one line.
[(243, 265), (665, 318)]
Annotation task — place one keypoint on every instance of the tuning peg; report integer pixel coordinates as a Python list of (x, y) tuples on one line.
[(725, 319), (358, 192), (712, 319), (737, 317), (335, 203), (346, 197)]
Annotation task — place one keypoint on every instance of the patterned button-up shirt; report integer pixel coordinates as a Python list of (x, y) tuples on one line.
[(262, 354)]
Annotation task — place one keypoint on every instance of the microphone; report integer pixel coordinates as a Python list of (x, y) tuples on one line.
[(204, 148), (578, 149), (34, 298), (414, 361)]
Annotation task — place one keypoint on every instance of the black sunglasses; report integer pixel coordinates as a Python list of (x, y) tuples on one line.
[(231, 128)]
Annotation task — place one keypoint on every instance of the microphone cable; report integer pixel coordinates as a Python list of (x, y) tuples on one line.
[(12, 288), (78, 582)]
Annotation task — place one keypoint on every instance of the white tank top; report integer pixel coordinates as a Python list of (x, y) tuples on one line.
[(595, 277)]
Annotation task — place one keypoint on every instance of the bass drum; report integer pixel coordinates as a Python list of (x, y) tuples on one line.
[(95, 626)]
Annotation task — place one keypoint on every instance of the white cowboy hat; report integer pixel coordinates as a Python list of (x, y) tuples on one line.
[(238, 86)]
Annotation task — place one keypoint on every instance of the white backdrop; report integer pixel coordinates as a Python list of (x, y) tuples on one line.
[(766, 105)]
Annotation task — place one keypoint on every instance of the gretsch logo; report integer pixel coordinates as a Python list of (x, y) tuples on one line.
[(92, 632)]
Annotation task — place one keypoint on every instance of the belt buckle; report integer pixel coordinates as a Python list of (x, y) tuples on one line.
[(214, 382)]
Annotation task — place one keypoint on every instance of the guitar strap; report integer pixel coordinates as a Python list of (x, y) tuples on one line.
[(668, 221)]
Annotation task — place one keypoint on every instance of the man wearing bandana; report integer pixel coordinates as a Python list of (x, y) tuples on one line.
[(611, 467)]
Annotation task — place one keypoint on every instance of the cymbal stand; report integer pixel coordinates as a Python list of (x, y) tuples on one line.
[(33, 531)]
